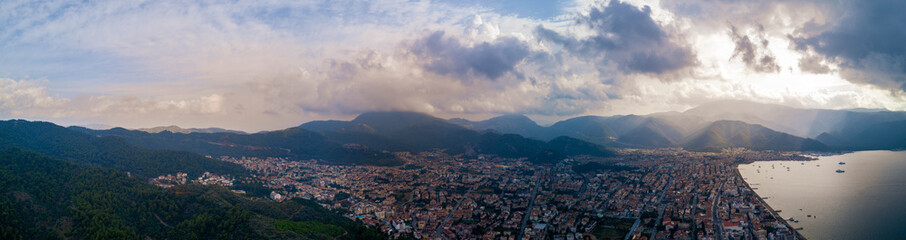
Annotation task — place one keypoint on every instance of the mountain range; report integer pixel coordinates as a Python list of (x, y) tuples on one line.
[(368, 139), (177, 129), (722, 124), (371, 137)]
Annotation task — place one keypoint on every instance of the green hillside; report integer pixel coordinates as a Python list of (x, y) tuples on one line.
[(45, 198), (112, 152)]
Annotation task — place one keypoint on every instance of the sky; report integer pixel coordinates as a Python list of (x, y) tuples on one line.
[(265, 64)]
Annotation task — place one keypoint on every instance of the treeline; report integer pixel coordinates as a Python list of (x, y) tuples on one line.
[(45, 198)]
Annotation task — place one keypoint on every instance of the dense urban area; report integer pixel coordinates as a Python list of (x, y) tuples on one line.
[(642, 194)]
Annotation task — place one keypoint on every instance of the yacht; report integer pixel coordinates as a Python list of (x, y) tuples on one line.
[(840, 171), (842, 163)]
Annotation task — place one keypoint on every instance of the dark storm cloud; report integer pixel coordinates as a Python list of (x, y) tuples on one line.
[(867, 41), (447, 56), (626, 36), (756, 56)]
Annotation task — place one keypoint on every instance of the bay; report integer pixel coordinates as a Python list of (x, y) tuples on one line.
[(866, 201)]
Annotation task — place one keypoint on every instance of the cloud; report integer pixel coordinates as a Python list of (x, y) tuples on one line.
[(30, 98), (447, 56), (24, 98), (813, 64), (256, 65), (866, 41), (757, 57), (626, 36)]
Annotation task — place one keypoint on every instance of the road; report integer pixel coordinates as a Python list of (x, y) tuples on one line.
[(638, 219), (660, 213), (449, 216), (634, 226), (528, 211), (694, 203), (718, 224)]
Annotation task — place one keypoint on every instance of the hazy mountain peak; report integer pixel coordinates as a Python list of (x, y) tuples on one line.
[(509, 121), (734, 106), (177, 129), (512, 117), (382, 114)]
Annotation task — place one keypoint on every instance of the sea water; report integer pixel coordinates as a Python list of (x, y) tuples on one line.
[(866, 201)]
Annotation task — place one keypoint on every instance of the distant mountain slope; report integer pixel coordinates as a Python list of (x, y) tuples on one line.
[(725, 134), (652, 133), (589, 128), (512, 123), (574, 146), (392, 122), (56, 141), (177, 129), (598, 130), (886, 135), (45, 198), (851, 129), (509, 145), (796, 121), (336, 126), (623, 124)]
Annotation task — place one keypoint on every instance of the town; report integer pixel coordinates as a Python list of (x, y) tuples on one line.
[(643, 194)]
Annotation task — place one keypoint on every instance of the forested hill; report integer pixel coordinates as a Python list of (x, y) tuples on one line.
[(45, 198), (112, 152)]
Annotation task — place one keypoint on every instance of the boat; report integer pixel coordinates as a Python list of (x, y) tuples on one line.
[(840, 171), (842, 163)]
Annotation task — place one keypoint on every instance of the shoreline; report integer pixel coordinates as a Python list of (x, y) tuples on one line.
[(766, 205)]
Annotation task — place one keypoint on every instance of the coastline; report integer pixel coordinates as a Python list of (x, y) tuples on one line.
[(770, 209)]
